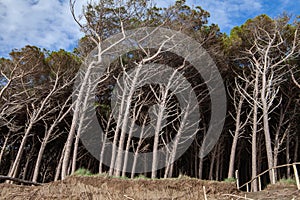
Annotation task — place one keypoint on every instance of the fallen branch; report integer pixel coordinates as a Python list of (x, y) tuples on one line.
[(204, 191), (127, 197), (18, 180), (240, 197)]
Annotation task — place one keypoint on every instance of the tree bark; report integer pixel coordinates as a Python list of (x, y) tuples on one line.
[(132, 89), (80, 128), (59, 164), (69, 142), (218, 162), (235, 138), (180, 131), (13, 171), (296, 148), (265, 110), (4, 147), (254, 137), (40, 156), (288, 160), (212, 163)]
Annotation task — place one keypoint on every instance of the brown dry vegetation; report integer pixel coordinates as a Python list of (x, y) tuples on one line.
[(97, 187)]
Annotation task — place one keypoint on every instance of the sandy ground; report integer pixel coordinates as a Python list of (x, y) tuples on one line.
[(96, 187)]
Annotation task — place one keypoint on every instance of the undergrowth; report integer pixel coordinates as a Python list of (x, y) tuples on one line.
[(229, 180), (83, 172), (288, 181)]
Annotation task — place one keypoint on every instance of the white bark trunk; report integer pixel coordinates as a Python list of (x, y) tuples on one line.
[(254, 137), (13, 171), (4, 147), (69, 142), (39, 158), (235, 138)]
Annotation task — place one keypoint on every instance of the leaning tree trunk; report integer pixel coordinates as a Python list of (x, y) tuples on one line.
[(131, 129), (183, 124), (235, 138), (4, 147), (288, 170), (254, 137), (28, 159), (296, 148), (136, 153), (266, 126), (13, 171), (40, 154), (156, 137), (102, 152), (80, 128), (132, 88), (116, 135), (212, 163), (59, 164), (218, 162), (69, 142)]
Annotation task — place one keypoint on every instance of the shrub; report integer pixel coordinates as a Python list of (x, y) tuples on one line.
[(141, 176), (82, 172), (230, 180), (288, 181)]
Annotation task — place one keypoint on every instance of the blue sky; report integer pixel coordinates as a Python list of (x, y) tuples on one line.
[(49, 24)]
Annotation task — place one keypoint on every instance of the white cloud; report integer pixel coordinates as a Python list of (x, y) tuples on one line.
[(226, 13), (43, 23)]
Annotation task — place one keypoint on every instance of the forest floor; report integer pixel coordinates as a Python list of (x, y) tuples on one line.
[(97, 187)]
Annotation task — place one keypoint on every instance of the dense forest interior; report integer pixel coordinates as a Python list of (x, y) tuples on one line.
[(47, 97)]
